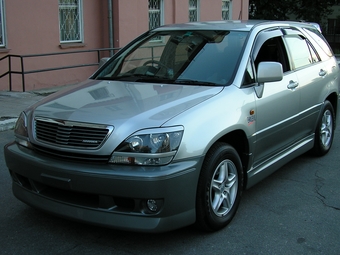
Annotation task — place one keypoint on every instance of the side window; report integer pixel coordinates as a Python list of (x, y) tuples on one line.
[(320, 40), (273, 50), (314, 56), (249, 77), (301, 53)]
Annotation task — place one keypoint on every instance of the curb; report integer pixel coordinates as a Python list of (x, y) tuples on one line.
[(7, 123), (8, 117)]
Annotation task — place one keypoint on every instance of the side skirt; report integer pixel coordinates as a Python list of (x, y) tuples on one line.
[(266, 168)]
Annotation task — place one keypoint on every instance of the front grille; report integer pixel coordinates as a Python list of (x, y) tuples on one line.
[(71, 134), (73, 157)]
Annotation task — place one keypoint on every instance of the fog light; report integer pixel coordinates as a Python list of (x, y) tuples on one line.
[(152, 205)]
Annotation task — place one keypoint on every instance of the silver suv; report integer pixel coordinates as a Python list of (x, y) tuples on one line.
[(177, 124)]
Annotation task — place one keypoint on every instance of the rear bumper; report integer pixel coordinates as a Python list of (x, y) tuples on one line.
[(106, 195)]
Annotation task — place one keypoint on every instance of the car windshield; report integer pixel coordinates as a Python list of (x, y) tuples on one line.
[(178, 57)]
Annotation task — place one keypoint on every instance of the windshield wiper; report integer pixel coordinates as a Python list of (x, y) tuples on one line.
[(113, 78), (138, 78), (194, 82)]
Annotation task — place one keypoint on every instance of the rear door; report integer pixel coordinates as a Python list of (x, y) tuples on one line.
[(314, 77)]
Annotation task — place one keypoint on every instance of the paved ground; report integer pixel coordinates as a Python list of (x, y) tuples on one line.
[(13, 103)]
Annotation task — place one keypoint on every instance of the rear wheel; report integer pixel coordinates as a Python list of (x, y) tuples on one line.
[(324, 131), (219, 188)]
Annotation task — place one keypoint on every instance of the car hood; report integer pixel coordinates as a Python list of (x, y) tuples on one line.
[(123, 104)]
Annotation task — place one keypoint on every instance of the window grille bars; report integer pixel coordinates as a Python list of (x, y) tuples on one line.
[(225, 9), (70, 21), (193, 10), (155, 13)]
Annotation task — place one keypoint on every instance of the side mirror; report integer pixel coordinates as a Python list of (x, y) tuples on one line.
[(269, 72)]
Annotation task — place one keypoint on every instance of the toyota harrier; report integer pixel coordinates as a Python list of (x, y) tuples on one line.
[(172, 128)]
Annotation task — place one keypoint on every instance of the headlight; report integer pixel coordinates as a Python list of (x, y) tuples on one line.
[(20, 130), (153, 147)]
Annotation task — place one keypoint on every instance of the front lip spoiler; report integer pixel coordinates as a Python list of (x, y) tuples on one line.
[(80, 191), (104, 218)]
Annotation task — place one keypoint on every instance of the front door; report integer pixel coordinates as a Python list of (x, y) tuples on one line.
[(278, 107)]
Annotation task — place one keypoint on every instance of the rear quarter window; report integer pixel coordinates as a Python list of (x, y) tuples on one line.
[(320, 40)]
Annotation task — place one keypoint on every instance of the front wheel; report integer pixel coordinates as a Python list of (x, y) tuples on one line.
[(219, 188), (324, 132)]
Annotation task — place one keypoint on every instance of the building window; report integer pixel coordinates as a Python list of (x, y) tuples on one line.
[(193, 10), (226, 9), (333, 26), (2, 25), (155, 13), (70, 21)]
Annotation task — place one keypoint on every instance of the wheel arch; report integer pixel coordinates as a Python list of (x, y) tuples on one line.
[(333, 99), (238, 140)]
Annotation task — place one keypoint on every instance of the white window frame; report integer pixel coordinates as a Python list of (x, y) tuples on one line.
[(155, 11), (226, 9), (79, 24), (2, 25), (195, 7)]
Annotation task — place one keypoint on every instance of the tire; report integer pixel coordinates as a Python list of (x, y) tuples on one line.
[(218, 197), (324, 132)]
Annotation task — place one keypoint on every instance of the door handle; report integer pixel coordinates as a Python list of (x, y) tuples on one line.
[(292, 85), (322, 72)]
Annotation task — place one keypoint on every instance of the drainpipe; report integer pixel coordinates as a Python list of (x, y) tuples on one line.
[(110, 26), (240, 16)]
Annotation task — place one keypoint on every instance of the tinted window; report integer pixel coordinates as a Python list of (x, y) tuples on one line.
[(273, 50)]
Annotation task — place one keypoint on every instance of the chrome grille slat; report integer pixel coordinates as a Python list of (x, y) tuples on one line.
[(71, 134), (71, 156)]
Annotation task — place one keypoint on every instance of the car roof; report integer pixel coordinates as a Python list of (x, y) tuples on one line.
[(238, 25)]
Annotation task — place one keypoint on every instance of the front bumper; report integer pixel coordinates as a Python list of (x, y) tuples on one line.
[(103, 194)]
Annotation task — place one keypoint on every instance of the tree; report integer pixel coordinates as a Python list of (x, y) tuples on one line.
[(308, 10), (312, 10), (270, 9)]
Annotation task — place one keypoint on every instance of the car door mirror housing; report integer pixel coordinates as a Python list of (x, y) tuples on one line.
[(269, 72)]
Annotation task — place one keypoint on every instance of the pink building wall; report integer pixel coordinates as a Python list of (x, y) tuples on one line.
[(131, 16), (32, 27)]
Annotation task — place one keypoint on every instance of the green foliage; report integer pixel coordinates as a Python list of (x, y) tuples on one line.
[(308, 10), (270, 9)]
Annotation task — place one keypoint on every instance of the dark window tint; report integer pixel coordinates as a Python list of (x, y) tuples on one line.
[(273, 50)]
